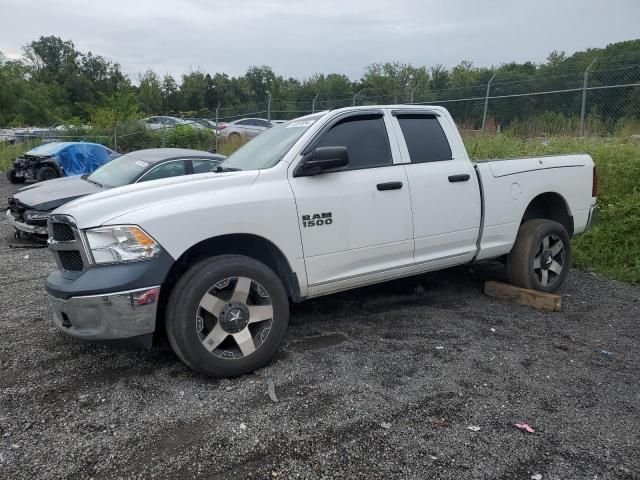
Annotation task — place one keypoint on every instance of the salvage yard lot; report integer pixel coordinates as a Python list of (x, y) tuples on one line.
[(378, 382)]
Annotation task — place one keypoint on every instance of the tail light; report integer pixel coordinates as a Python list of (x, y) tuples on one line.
[(221, 126), (594, 185)]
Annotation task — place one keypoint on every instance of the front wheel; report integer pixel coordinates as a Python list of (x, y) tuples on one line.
[(227, 315), (46, 173), (541, 256), (11, 176)]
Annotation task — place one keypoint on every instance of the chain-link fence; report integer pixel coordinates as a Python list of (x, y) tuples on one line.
[(600, 100)]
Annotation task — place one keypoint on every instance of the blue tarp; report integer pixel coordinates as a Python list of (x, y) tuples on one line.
[(75, 158)]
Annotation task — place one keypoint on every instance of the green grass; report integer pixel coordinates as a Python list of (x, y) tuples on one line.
[(9, 152), (612, 247)]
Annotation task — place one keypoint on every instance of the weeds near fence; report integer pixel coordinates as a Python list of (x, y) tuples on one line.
[(9, 152)]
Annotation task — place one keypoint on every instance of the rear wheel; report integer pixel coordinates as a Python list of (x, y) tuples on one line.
[(541, 256), (11, 176), (46, 173), (227, 315), (235, 137)]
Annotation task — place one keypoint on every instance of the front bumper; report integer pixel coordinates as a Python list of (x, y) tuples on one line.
[(110, 316), (25, 227)]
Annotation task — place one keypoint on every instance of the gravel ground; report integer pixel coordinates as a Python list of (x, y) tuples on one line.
[(380, 382)]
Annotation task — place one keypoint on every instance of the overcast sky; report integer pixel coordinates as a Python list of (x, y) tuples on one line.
[(301, 37)]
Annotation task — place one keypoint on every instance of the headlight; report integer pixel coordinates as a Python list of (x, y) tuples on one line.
[(121, 243), (35, 215)]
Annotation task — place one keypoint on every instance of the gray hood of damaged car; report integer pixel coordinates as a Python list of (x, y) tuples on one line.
[(193, 191), (52, 194)]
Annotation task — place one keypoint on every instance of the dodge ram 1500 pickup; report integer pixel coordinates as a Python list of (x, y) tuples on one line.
[(324, 203)]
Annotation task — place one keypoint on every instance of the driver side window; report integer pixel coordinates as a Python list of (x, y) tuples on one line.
[(366, 140), (173, 168)]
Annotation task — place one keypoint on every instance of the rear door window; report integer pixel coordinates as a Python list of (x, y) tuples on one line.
[(425, 139), (365, 138)]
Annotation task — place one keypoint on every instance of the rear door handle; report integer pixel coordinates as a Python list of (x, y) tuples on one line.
[(389, 186), (463, 177)]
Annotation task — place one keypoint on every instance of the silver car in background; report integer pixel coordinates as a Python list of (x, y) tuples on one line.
[(160, 122), (244, 128)]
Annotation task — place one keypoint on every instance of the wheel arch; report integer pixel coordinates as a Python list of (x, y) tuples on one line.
[(550, 206), (49, 162), (250, 245)]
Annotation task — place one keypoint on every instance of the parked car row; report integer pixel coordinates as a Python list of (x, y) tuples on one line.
[(160, 122), (243, 128)]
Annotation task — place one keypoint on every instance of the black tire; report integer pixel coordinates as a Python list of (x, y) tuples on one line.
[(46, 173), (187, 322), (11, 176), (531, 265)]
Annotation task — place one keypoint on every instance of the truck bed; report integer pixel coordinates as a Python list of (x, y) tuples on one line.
[(510, 185)]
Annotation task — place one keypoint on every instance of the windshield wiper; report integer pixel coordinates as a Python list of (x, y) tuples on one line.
[(220, 169), (92, 181)]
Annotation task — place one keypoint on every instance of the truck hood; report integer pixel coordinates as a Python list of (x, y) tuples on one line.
[(52, 194), (109, 204)]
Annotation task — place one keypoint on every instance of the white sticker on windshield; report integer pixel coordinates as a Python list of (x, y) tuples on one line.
[(142, 163), (301, 123)]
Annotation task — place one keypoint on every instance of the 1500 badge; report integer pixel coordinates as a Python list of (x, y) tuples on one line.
[(317, 219)]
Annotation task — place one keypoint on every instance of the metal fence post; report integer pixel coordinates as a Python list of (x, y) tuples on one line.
[(217, 130), (313, 104), (355, 97), (486, 101), (268, 106), (583, 106), (115, 137)]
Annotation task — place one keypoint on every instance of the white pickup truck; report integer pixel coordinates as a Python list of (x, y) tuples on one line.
[(317, 205)]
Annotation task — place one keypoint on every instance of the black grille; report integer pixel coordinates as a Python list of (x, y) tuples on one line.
[(71, 260), (62, 232)]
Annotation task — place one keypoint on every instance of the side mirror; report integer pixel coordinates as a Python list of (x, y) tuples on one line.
[(322, 160)]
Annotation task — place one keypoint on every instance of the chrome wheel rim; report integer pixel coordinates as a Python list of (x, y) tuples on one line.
[(234, 318), (549, 261)]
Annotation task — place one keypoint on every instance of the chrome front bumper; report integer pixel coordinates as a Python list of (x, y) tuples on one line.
[(23, 227), (111, 316)]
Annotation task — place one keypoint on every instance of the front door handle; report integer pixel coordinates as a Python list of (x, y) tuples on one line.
[(463, 177), (389, 186)]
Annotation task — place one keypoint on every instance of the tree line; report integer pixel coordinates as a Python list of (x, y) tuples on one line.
[(54, 82)]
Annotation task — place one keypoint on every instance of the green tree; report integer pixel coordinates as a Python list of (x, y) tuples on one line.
[(150, 93), (192, 91)]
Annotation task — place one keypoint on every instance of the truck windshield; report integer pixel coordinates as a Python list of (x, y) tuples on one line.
[(119, 171), (267, 149)]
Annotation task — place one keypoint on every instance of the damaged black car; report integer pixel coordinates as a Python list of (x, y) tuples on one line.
[(59, 159)]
